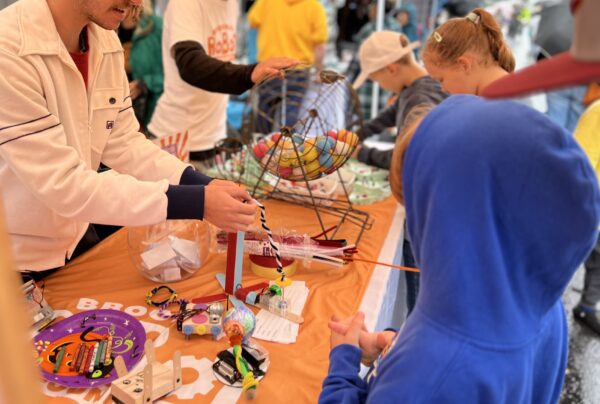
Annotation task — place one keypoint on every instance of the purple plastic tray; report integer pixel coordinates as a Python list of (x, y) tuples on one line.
[(128, 338)]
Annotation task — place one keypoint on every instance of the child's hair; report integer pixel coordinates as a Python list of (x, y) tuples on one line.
[(411, 123), (408, 58), (478, 31)]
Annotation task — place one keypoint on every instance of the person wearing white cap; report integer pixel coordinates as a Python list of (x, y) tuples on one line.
[(387, 58), (580, 65)]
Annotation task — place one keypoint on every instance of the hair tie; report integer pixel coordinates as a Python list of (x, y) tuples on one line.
[(473, 17), (437, 36)]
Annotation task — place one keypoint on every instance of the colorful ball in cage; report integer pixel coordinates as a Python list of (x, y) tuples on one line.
[(302, 120), (294, 157), (348, 137), (260, 150)]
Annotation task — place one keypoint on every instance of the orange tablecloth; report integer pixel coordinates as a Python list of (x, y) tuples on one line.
[(106, 278)]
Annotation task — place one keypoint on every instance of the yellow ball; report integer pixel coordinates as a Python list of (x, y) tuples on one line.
[(338, 159), (312, 168), (352, 139), (310, 154)]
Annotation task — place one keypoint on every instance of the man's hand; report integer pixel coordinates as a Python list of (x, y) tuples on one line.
[(216, 182), (225, 208), (272, 68), (371, 343)]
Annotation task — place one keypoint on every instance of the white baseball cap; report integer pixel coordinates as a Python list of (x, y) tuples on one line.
[(380, 49)]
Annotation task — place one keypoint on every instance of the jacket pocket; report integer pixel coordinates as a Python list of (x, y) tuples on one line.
[(105, 107)]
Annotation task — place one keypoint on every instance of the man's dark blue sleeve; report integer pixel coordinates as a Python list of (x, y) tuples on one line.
[(193, 177), (186, 200)]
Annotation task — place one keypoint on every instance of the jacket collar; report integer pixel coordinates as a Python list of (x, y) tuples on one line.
[(40, 36)]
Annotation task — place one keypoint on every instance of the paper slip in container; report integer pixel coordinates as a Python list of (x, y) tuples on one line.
[(186, 249), (171, 274), (157, 255)]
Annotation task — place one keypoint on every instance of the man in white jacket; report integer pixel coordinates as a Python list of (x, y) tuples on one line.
[(65, 109)]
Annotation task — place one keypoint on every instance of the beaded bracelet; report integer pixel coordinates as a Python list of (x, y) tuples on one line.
[(153, 292), (166, 314)]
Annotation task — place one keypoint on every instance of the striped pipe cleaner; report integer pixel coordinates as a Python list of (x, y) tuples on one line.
[(274, 246), (163, 307)]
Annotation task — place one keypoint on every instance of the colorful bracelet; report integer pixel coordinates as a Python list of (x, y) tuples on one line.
[(162, 309), (153, 292)]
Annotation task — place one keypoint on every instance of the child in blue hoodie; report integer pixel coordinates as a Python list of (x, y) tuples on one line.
[(502, 208)]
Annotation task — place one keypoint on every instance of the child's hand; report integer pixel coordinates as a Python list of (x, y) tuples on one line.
[(371, 343), (346, 333)]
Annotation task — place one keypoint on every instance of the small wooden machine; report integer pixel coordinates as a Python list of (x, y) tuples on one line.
[(155, 381)]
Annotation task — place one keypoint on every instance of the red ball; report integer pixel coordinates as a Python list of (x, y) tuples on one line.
[(332, 134), (285, 172), (275, 136), (260, 149)]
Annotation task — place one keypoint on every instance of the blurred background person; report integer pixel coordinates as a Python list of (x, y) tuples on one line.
[(554, 36), (407, 19), (141, 39), (274, 20), (365, 91)]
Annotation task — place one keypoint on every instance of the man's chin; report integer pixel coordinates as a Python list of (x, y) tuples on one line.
[(108, 25)]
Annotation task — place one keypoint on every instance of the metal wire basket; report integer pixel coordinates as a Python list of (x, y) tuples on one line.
[(303, 127)]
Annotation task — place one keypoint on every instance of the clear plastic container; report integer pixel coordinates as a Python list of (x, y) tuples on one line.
[(169, 251)]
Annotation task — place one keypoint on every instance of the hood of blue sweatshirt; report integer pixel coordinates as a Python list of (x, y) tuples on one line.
[(502, 207)]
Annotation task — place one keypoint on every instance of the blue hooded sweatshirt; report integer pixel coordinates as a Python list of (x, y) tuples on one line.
[(502, 206)]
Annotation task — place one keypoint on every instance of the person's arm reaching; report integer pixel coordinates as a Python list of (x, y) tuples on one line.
[(343, 384), (384, 120), (375, 157), (200, 70), (222, 203), (351, 345)]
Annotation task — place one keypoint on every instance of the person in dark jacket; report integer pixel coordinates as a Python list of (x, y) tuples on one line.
[(386, 57)]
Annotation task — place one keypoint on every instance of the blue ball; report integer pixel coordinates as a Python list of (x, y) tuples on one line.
[(326, 160), (324, 144), (297, 139)]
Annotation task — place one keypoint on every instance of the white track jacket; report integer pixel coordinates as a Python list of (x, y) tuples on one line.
[(54, 133)]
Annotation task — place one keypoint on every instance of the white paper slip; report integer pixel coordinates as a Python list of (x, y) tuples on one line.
[(171, 274), (157, 255), (271, 327), (186, 249)]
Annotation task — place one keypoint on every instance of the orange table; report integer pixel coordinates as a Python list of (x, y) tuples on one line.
[(106, 278)]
